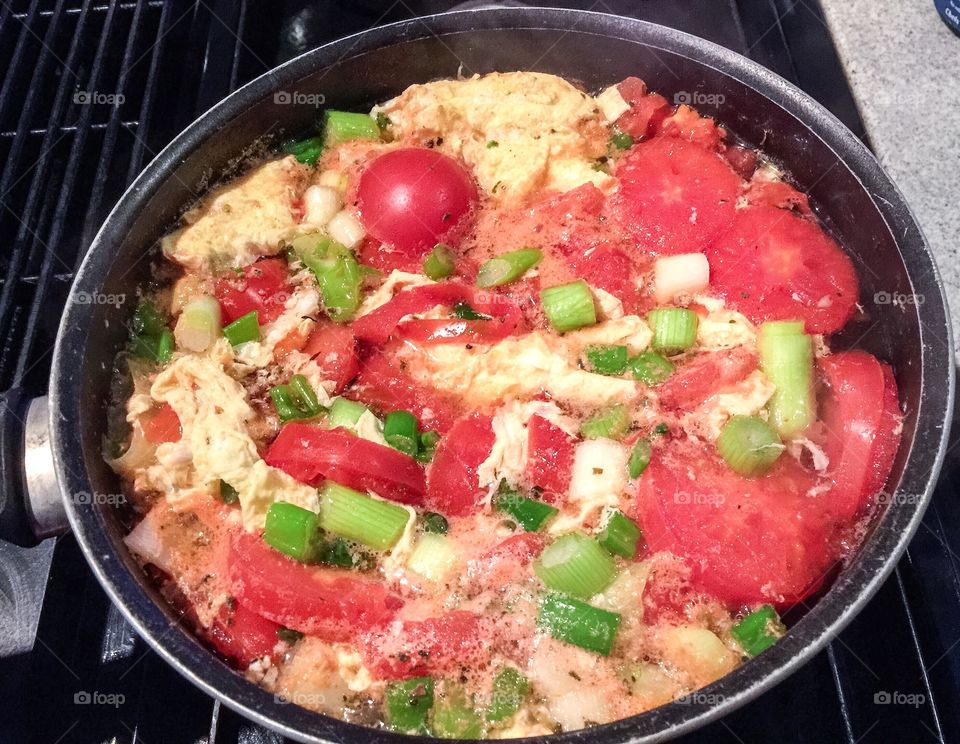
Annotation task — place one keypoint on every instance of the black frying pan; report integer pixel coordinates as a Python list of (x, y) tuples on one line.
[(855, 198)]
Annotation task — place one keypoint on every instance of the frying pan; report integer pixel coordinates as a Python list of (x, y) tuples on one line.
[(50, 448)]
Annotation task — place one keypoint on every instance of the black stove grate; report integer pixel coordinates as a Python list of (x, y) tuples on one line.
[(68, 147)]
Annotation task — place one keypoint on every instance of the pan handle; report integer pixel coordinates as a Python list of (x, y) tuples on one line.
[(31, 506)]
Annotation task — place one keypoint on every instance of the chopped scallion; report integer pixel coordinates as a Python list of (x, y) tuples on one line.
[(228, 494), (622, 141), (243, 330), (786, 358), (620, 535), (569, 306), (607, 360), (400, 431), (428, 445), (572, 621), (434, 523), (345, 413), (336, 270), (576, 564), (408, 704), (509, 689), (651, 368), (361, 518), (748, 445), (611, 423), (529, 513), (639, 458), (674, 328), (342, 126), (439, 263), (507, 267), (463, 311), (454, 717), (292, 530), (306, 151), (759, 630)]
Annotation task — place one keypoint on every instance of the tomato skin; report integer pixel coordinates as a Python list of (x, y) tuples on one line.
[(550, 458), (263, 287), (707, 373), (862, 423), (242, 635), (332, 604), (333, 348), (675, 196), (377, 327), (452, 486), (162, 425), (411, 648), (409, 198), (311, 454), (774, 265), (746, 541), (383, 384)]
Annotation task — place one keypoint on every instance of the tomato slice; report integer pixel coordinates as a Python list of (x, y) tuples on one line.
[(162, 425), (773, 265), (311, 454), (860, 411), (687, 124), (410, 197), (377, 326), (675, 196), (778, 194), (332, 604), (410, 648), (242, 635), (746, 540), (646, 110), (333, 348), (452, 486), (705, 374), (262, 287), (383, 384), (549, 458)]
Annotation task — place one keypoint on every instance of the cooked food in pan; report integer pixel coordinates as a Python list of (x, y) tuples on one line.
[(501, 410)]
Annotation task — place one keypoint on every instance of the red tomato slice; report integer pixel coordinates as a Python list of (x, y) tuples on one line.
[(646, 110), (242, 635), (550, 457), (860, 411), (383, 384), (333, 348), (411, 197), (263, 287), (452, 486), (687, 124), (332, 604), (773, 265), (376, 327), (386, 259), (675, 196), (778, 194), (162, 425), (605, 267), (746, 540), (311, 454), (705, 374), (410, 648)]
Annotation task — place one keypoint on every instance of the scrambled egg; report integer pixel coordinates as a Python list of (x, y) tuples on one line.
[(747, 398), (631, 331), (597, 480), (520, 132), (215, 445), (396, 282), (517, 367), (242, 221)]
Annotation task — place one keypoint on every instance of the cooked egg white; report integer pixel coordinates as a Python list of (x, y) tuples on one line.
[(240, 222), (631, 331), (597, 481), (746, 398), (520, 132)]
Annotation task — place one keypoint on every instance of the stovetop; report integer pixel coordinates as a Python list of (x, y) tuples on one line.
[(92, 91)]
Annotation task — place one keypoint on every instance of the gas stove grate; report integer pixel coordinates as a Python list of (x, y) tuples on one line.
[(69, 144)]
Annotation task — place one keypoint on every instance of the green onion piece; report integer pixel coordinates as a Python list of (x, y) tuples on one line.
[(611, 423), (509, 689), (342, 126), (454, 717), (289, 635), (345, 413), (199, 326), (400, 431), (296, 400), (620, 535), (383, 121), (659, 430), (337, 271), (507, 267), (361, 518), (528, 513), (433, 557), (306, 151), (749, 445), (572, 621), (786, 358), (639, 458), (434, 523), (674, 328), (569, 306), (148, 320), (292, 530), (607, 360), (228, 494), (165, 346), (651, 368), (244, 329), (428, 446), (408, 704), (576, 564), (759, 630), (439, 263), (463, 311), (622, 141), (305, 396), (282, 398)]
